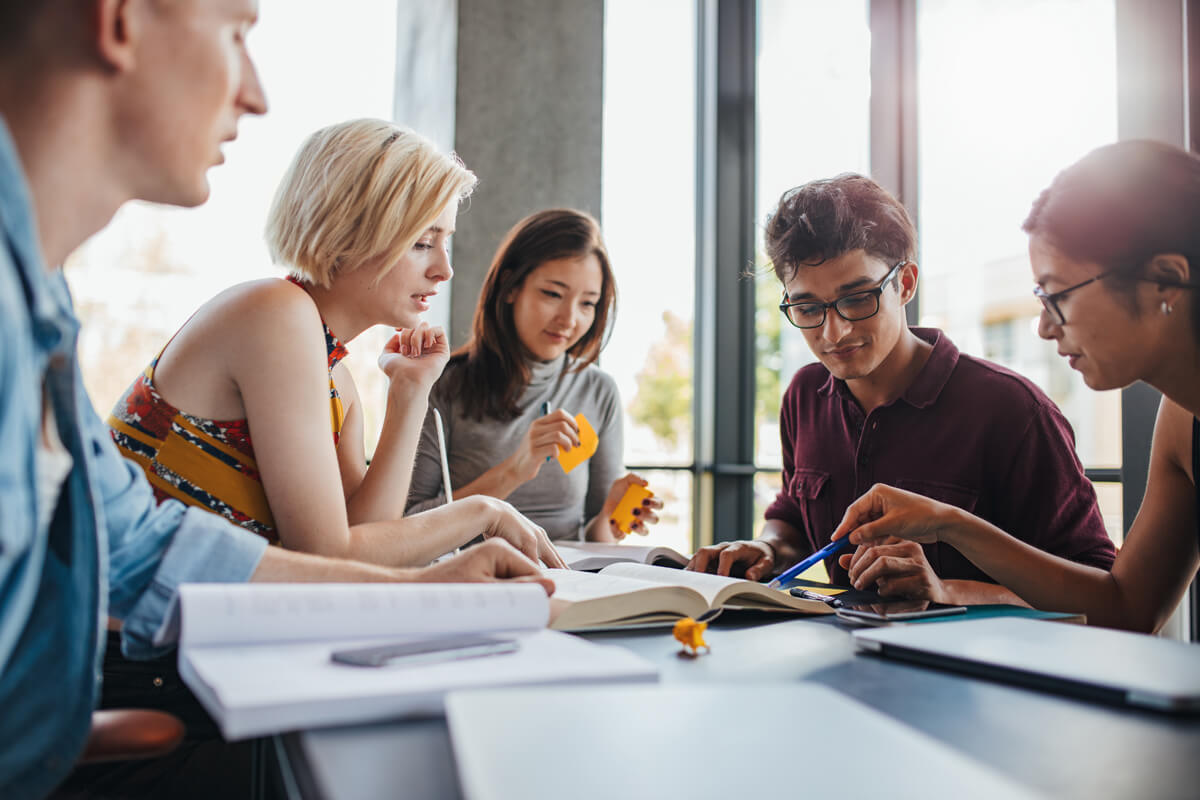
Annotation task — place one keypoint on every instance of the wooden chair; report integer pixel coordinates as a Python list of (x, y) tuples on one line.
[(131, 733)]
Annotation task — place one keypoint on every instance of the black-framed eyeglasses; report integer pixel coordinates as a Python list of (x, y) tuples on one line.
[(1050, 299), (852, 307)]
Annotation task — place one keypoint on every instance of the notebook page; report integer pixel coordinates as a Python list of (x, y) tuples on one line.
[(256, 613)]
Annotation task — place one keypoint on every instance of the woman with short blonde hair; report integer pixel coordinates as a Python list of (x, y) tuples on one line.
[(362, 220)]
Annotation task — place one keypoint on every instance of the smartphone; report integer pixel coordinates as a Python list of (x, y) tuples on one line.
[(881, 613), (426, 651)]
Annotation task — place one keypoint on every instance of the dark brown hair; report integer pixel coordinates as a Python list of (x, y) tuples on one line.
[(1121, 205), (494, 364), (827, 218)]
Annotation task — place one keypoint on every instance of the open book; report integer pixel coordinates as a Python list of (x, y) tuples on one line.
[(259, 656), (638, 594), (596, 555)]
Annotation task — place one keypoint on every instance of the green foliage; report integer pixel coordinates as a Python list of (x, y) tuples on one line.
[(768, 349), (663, 402)]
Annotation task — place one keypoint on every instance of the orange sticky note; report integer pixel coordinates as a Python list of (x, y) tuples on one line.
[(623, 513), (588, 442)]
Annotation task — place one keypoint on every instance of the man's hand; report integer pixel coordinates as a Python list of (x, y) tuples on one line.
[(492, 560), (754, 559), (895, 568)]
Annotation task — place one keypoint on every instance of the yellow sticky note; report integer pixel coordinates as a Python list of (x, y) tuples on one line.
[(588, 442), (623, 513)]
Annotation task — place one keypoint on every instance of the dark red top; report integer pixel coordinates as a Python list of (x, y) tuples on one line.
[(966, 432)]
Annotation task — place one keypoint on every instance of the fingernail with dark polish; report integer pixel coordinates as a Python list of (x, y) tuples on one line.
[(637, 511)]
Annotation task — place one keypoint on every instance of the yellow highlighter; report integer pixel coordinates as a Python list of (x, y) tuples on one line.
[(623, 514), (588, 442)]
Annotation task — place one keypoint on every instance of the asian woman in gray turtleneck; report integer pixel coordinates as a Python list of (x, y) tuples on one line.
[(542, 318)]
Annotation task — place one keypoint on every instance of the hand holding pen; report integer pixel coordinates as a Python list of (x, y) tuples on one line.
[(825, 552), (548, 432)]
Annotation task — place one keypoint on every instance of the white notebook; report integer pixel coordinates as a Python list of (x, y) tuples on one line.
[(258, 656), (718, 741)]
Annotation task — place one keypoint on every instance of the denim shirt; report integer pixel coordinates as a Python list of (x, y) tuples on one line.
[(110, 549)]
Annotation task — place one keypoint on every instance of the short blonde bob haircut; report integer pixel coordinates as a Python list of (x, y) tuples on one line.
[(360, 193)]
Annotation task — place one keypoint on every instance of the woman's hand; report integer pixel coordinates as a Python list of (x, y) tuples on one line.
[(487, 561), (414, 357), (885, 512), (643, 515), (505, 522), (546, 434)]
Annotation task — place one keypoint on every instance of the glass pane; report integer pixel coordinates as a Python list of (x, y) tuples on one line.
[(649, 140), (1111, 497), (813, 122), (139, 280), (994, 130), (674, 526)]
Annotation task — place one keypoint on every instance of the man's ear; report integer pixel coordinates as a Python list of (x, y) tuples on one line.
[(114, 32), (908, 282)]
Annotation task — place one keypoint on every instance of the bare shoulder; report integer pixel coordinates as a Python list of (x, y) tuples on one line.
[(1173, 437)]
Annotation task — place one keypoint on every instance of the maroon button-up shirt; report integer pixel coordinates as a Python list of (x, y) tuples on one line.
[(966, 432)]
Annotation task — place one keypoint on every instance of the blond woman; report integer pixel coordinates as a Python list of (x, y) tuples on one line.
[(248, 411)]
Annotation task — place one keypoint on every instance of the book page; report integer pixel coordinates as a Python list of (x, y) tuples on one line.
[(584, 599), (594, 555), (705, 583), (258, 613), (720, 590), (573, 586)]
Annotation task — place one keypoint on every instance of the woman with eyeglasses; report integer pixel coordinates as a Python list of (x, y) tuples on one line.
[(509, 396), (1115, 251)]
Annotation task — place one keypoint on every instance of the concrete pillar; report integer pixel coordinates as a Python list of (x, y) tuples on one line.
[(528, 116)]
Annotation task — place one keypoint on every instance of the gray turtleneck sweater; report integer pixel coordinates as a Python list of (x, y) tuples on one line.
[(561, 503)]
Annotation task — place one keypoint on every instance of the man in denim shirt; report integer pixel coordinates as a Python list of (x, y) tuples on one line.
[(103, 102)]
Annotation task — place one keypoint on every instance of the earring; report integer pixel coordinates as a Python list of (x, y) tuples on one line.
[(1166, 309)]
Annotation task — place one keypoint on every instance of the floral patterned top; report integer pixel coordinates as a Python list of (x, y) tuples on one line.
[(203, 462)]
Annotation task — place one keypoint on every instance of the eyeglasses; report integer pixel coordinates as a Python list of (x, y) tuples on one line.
[(852, 307), (1050, 299)]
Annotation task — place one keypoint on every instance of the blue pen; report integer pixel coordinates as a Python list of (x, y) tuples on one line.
[(822, 554), (545, 411)]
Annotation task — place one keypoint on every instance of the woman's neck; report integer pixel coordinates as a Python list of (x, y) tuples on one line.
[(1177, 375), (340, 311)]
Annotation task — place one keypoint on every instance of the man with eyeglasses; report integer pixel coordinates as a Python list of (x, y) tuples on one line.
[(891, 404)]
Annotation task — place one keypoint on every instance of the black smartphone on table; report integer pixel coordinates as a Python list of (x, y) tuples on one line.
[(425, 651), (881, 613)]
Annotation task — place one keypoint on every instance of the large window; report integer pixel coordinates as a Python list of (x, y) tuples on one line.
[(649, 226), (994, 130), (814, 91), (972, 109)]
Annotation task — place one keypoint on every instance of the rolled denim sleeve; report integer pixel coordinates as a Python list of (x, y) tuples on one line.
[(153, 548)]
